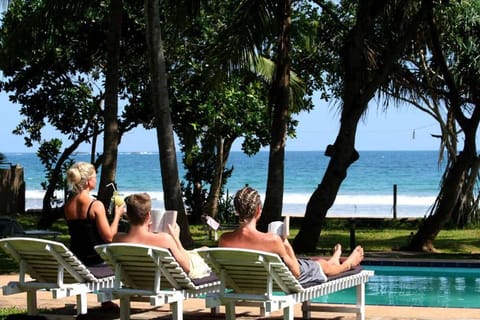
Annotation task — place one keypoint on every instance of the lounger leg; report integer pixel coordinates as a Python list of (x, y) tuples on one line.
[(230, 310), (215, 310), (263, 312), (32, 302), (306, 313), (82, 307), (361, 301), (177, 310), (125, 308), (288, 313)]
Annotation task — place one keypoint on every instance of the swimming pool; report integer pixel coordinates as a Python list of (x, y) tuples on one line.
[(417, 286)]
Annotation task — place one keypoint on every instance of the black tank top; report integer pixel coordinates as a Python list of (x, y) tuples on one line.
[(84, 236)]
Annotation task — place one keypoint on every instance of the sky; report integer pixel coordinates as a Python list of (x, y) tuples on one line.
[(403, 128)]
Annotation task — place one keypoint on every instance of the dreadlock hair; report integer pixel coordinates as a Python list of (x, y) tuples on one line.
[(246, 202)]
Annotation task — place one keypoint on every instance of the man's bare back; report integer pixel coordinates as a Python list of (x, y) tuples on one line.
[(248, 206)]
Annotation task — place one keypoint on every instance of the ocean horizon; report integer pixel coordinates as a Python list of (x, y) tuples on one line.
[(366, 192)]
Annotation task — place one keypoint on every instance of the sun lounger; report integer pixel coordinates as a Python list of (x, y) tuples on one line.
[(251, 277), (51, 266), (151, 273)]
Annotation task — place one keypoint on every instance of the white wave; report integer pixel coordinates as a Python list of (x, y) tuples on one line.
[(39, 194), (297, 198), (295, 203)]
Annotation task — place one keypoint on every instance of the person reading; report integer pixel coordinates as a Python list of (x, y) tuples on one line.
[(248, 206), (139, 207)]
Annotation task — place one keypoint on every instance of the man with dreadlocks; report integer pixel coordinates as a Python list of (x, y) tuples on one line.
[(248, 206)]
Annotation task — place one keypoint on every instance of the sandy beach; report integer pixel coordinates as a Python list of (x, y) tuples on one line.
[(195, 309)]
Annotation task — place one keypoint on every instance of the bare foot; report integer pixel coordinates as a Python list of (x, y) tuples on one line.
[(337, 253), (338, 247), (355, 258)]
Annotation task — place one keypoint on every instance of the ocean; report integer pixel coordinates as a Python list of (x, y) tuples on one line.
[(366, 192)]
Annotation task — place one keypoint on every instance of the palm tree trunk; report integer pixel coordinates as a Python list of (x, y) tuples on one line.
[(361, 81), (111, 137), (446, 202), (166, 144), (342, 154), (279, 104), (459, 173)]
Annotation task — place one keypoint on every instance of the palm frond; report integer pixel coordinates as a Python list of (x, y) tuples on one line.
[(264, 67), (245, 34)]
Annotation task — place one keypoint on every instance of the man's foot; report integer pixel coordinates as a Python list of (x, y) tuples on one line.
[(355, 258), (337, 250), (337, 253)]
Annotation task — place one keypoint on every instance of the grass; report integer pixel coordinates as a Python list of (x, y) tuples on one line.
[(5, 312)]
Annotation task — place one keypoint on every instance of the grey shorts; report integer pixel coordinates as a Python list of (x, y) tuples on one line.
[(310, 273)]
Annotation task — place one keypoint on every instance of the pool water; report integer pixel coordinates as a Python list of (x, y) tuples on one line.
[(417, 286)]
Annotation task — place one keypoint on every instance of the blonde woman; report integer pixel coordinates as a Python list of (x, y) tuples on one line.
[(86, 216)]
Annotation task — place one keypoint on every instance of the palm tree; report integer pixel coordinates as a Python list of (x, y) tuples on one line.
[(279, 103), (259, 22), (166, 144), (111, 137), (369, 55), (456, 84)]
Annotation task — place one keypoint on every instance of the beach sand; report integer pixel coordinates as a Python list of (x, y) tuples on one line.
[(195, 309)]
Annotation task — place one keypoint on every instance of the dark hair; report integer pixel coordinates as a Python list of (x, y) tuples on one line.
[(138, 207), (246, 202)]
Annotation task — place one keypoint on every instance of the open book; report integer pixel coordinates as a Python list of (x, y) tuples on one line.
[(161, 219), (282, 228)]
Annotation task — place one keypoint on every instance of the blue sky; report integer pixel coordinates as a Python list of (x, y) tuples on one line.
[(400, 129)]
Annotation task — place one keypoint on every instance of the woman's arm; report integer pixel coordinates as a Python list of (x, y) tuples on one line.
[(107, 231)]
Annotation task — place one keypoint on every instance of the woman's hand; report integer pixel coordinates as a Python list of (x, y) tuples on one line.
[(120, 210)]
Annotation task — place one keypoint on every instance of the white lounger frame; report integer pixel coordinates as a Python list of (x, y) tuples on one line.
[(54, 268), (152, 274), (257, 278)]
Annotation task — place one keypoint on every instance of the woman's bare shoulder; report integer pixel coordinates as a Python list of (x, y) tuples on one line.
[(96, 204)]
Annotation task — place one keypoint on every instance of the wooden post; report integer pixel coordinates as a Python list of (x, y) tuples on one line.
[(12, 189), (394, 201), (352, 234)]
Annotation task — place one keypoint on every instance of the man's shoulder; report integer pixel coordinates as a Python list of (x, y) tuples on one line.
[(119, 237)]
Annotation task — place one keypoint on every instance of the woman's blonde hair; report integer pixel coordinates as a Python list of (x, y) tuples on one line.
[(246, 202), (79, 174)]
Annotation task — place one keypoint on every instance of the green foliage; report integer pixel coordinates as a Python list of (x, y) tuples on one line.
[(226, 211), (209, 113), (48, 155), (48, 75), (53, 58), (5, 312)]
